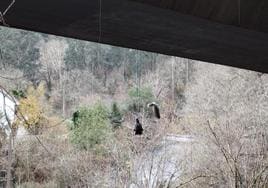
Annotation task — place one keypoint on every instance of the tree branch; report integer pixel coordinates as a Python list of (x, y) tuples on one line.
[(222, 149), (2, 14), (193, 179)]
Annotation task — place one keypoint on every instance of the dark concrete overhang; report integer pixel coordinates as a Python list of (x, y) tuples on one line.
[(228, 32)]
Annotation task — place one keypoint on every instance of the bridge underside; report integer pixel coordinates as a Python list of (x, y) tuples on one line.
[(228, 32)]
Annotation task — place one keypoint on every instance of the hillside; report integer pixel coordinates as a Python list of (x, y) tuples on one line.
[(78, 103)]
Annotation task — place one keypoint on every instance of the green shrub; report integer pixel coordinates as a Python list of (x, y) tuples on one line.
[(91, 129), (18, 94), (116, 116), (139, 98)]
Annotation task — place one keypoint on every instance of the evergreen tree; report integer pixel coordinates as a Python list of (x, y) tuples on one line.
[(116, 117), (91, 128)]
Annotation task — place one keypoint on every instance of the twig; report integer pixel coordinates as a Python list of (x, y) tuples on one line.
[(10, 78), (254, 181), (222, 149), (159, 92), (9, 6), (2, 19), (193, 179)]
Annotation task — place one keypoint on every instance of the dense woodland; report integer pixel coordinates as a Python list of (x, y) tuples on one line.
[(78, 102)]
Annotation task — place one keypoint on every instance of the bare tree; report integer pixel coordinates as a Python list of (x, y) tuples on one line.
[(7, 108), (226, 107), (52, 55)]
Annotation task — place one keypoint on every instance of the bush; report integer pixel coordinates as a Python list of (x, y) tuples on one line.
[(139, 98), (116, 116), (18, 94), (30, 110), (91, 129)]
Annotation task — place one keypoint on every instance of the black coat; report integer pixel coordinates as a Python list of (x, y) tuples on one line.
[(138, 128)]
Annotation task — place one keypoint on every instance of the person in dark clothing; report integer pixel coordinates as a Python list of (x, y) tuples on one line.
[(138, 128), (75, 118)]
